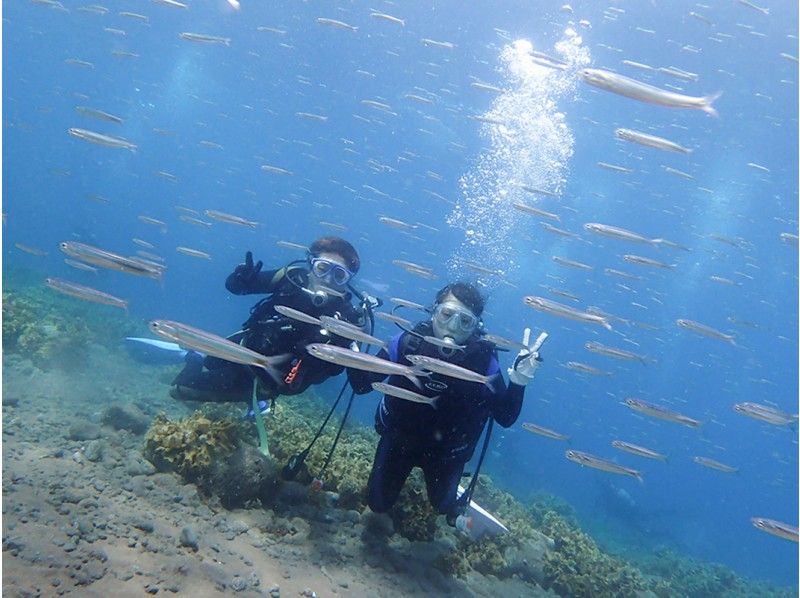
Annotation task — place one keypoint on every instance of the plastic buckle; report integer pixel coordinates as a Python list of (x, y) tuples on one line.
[(316, 484)]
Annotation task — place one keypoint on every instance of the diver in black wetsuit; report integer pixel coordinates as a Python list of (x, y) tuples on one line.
[(441, 439), (316, 286)]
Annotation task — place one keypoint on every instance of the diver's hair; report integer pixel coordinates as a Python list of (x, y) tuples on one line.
[(467, 293), (338, 246)]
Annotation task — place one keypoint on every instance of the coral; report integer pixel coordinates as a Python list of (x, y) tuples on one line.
[(292, 428), (54, 330), (577, 567), (685, 576), (413, 516), (188, 446)]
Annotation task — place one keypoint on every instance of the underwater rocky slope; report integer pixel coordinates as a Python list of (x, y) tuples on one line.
[(111, 486)]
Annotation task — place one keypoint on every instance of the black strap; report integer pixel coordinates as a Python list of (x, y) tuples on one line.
[(463, 501), (321, 475)]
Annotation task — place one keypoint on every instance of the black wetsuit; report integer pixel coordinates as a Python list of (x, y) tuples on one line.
[(439, 440), (269, 333)]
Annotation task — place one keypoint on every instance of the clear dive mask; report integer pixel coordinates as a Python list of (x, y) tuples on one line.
[(452, 321), (330, 271)]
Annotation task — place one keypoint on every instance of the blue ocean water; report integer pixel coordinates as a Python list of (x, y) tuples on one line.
[(435, 164)]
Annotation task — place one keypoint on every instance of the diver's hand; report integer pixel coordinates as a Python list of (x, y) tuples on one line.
[(246, 274), (526, 362)]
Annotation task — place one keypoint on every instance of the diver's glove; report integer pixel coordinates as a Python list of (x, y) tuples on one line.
[(526, 362), (246, 274)]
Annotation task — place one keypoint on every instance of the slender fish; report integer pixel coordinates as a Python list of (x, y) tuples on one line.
[(564, 311), (535, 211), (404, 393), (361, 361), (86, 293), (631, 88), (335, 23), (705, 330), (776, 528), (98, 114), (448, 369), (229, 218), (349, 331), (112, 261), (100, 139), (613, 352), (586, 369), (661, 413), (193, 252), (405, 303), (296, 314), (640, 451), (80, 266), (646, 261), (547, 433), (602, 464), (712, 464), (211, 344), (651, 141), (766, 414), (394, 319)]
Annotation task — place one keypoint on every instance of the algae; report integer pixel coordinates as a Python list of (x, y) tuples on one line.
[(190, 445)]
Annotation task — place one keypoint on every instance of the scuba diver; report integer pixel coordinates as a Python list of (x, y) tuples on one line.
[(319, 285), (440, 435)]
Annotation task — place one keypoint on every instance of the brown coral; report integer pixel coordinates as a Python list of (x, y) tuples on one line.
[(188, 446)]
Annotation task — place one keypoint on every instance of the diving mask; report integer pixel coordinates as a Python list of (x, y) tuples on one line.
[(330, 271), (453, 321)]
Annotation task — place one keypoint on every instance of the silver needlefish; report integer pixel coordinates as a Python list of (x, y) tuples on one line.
[(86, 293), (646, 261), (535, 211), (448, 369), (704, 330), (661, 413), (349, 331), (193, 252), (394, 319), (631, 88), (767, 414), (568, 263), (80, 266), (336, 23), (586, 369), (776, 528), (546, 432), (112, 261), (211, 344), (100, 139), (98, 114), (296, 314), (405, 394), (229, 218), (205, 39), (564, 311), (615, 232), (613, 352), (504, 342), (406, 303), (640, 451), (588, 460), (713, 464), (362, 361)]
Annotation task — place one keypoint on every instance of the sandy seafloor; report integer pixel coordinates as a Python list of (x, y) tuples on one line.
[(112, 527)]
